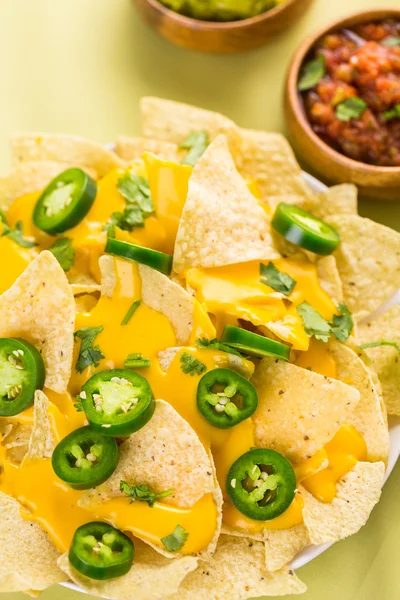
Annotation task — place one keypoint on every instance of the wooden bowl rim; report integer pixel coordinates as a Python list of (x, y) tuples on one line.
[(191, 23), (294, 97)]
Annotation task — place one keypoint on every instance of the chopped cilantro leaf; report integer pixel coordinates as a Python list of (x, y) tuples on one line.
[(192, 365), (114, 220), (381, 343), (142, 493), (352, 108), (64, 252), (391, 41), (312, 73), (214, 344), (17, 235), (196, 143), (136, 192), (88, 354), (3, 218), (342, 324), (314, 324), (136, 361), (78, 404), (176, 540), (130, 312), (394, 113), (281, 282)]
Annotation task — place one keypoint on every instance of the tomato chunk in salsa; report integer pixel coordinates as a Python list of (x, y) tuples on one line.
[(351, 91)]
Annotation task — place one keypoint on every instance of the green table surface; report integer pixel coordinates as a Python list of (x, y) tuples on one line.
[(80, 66)]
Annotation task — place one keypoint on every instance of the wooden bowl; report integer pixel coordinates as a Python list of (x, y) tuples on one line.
[(226, 37), (376, 182)]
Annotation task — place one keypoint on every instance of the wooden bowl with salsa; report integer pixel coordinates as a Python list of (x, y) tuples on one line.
[(342, 102), (221, 34)]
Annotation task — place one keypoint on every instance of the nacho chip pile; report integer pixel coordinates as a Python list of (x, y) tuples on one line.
[(176, 252)]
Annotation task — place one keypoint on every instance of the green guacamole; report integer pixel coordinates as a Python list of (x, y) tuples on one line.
[(220, 10)]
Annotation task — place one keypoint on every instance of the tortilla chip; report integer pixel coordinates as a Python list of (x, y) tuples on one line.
[(282, 545), (367, 417), (268, 159), (16, 454), (28, 559), (165, 454), (41, 443), (27, 178), (108, 275), (368, 260), (222, 222), (385, 359), (132, 148), (357, 494), (18, 435), (151, 577), (237, 571), (329, 278), (71, 149), (82, 283), (337, 200), (173, 121), (40, 307), (299, 411)]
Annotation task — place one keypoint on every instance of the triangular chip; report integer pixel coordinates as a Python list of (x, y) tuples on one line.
[(71, 149), (329, 278), (357, 494), (173, 121), (282, 545), (367, 417), (40, 307), (28, 559), (151, 577), (268, 159), (299, 411), (222, 222), (368, 260), (337, 200), (41, 443), (132, 148), (385, 359), (236, 572)]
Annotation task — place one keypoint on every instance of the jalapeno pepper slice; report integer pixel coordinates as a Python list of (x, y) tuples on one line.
[(22, 372), (261, 484), (117, 402), (225, 398), (100, 551), (253, 344), (65, 201), (85, 458), (305, 230), (152, 258)]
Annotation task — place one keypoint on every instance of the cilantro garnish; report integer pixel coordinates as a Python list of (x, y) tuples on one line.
[(176, 540), (342, 324), (88, 354), (312, 73), (381, 343), (314, 324), (64, 252), (139, 205), (137, 361), (3, 218), (130, 312), (352, 108), (281, 282), (142, 493), (16, 234), (192, 365), (78, 404), (196, 143), (394, 113), (391, 41), (214, 344)]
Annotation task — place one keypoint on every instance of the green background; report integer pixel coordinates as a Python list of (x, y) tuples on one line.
[(80, 66)]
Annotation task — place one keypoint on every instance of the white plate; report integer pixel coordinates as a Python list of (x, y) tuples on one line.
[(312, 552)]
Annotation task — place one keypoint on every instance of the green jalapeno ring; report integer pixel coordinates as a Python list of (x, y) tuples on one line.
[(261, 484), (65, 201), (146, 256), (100, 551), (85, 458), (117, 402), (22, 372), (225, 398), (253, 343), (303, 229)]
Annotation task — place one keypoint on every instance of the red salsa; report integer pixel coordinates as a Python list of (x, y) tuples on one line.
[(351, 91)]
